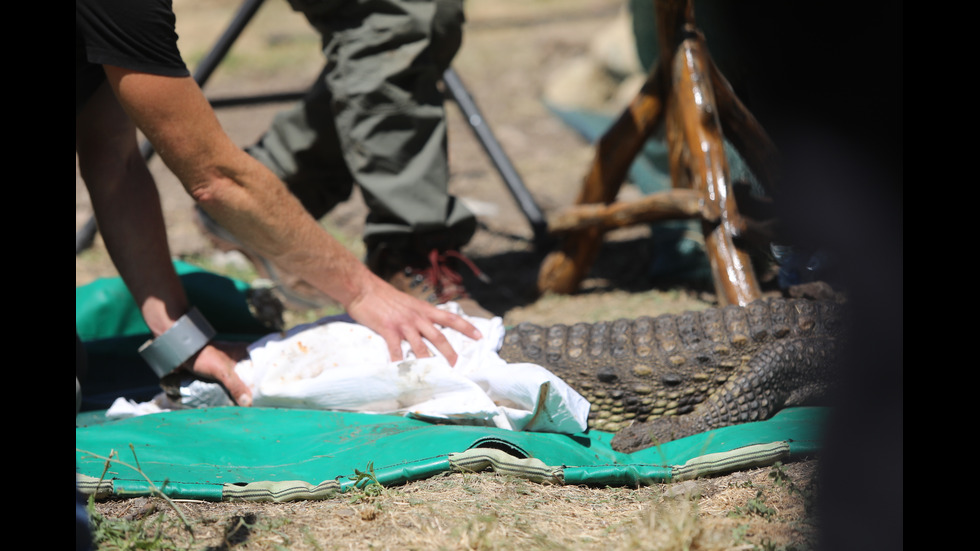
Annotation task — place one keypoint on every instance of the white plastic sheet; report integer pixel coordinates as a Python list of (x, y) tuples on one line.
[(336, 364), (340, 365)]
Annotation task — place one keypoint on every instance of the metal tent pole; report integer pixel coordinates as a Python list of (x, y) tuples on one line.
[(497, 155)]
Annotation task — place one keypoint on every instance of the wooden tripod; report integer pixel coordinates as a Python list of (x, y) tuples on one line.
[(687, 93)]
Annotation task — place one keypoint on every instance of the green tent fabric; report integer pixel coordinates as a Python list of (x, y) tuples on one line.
[(231, 453)]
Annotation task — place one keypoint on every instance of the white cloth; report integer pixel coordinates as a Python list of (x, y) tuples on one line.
[(337, 364)]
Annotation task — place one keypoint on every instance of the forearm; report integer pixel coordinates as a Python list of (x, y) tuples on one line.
[(127, 208), (135, 236), (237, 191), (258, 209), (248, 200)]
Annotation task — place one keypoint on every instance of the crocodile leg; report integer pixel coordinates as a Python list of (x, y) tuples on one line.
[(655, 379), (781, 375)]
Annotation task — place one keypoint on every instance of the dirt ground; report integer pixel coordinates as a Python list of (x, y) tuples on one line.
[(511, 50)]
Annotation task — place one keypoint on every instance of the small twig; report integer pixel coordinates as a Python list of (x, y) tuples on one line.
[(153, 487), (136, 459)]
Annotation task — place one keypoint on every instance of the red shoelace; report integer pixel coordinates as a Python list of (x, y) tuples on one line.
[(447, 282)]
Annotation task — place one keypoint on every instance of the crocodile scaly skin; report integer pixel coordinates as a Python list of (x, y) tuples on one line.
[(654, 379)]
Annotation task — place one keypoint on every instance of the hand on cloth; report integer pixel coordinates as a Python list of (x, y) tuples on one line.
[(217, 361), (399, 318), (339, 364)]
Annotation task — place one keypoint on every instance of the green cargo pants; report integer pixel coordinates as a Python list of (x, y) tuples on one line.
[(376, 118)]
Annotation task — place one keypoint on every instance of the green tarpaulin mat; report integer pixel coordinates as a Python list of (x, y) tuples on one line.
[(232, 453), (106, 312)]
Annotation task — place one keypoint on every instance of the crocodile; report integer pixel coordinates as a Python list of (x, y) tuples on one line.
[(655, 379)]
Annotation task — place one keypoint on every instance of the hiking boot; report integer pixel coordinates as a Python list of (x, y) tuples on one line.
[(294, 291), (429, 277)]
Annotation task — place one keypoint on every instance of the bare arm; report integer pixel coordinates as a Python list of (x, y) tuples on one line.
[(130, 219), (248, 200)]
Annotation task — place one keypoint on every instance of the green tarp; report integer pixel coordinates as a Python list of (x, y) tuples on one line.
[(226, 453), (106, 312), (229, 453)]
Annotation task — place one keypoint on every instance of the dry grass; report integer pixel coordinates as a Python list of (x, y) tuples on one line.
[(748, 510)]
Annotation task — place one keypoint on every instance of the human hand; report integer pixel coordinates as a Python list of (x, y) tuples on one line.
[(399, 317), (216, 362)]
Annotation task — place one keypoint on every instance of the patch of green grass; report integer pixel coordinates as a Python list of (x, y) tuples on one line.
[(778, 475), (125, 535), (367, 481), (755, 506), (134, 534)]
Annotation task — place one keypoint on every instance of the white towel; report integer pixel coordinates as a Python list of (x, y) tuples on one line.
[(337, 364)]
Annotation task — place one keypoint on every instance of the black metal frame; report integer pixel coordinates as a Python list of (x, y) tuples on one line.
[(454, 86)]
